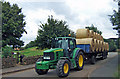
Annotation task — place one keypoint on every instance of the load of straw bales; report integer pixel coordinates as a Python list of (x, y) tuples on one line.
[(85, 36)]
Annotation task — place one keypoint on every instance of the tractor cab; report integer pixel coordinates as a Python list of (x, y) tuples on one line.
[(68, 44)]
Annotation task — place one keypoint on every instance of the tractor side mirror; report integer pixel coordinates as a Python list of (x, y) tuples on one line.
[(68, 49)]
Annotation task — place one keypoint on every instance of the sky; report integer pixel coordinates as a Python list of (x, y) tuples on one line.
[(77, 13)]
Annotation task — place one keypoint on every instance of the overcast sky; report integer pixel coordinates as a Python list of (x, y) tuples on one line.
[(77, 13)]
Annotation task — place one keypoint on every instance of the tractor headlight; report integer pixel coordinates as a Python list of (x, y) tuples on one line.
[(46, 57)]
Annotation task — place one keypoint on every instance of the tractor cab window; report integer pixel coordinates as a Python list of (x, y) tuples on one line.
[(71, 44), (61, 43)]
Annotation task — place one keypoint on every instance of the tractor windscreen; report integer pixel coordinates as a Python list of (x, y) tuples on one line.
[(61, 43)]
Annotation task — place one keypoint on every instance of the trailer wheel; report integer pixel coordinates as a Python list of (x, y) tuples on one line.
[(106, 53), (103, 55), (63, 68), (79, 61), (93, 59), (41, 71)]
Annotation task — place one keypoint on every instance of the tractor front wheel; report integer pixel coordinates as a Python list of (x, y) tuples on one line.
[(41, 71), (63, 68)]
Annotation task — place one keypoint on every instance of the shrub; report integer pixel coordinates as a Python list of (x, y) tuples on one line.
[(6, 51), (112, 46)]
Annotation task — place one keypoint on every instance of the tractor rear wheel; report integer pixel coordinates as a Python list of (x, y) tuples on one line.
[(41, 71), (63, 68), (79, 61)]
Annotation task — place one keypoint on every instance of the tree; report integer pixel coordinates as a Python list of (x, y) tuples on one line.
[(6, 51), (112, 44), (31, 44), (115, 20), (12, 25), (92, 27), (115, 17), (53, 28)]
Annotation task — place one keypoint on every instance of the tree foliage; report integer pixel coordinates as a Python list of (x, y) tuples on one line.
[(92, 27), (31, 44), (115, 19), (6, 51), (112, 44), (12, 25), (53, 28)]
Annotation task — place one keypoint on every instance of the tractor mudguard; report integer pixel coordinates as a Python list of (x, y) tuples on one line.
[(65, 58), (76, 51)]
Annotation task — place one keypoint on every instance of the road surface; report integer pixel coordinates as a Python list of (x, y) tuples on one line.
[(88, 69), (109, 68)]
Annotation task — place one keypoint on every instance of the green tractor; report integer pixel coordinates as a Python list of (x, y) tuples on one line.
[(63, 57)]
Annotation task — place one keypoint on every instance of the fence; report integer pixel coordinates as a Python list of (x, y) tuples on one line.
[(30, 60), (8, 62), (11, 62)]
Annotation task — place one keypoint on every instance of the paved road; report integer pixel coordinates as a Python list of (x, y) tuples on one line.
[(109, 68), (88, 68)]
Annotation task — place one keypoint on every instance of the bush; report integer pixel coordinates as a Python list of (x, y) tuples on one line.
[(112, 46), (6, 51)]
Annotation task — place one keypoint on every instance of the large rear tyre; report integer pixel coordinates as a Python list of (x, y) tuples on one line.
[(63, 68), (106, 53), (41, 71), (79, 61), (93, 59), (103, 55)]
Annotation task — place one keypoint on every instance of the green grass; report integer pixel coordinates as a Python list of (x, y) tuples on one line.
[(117, 74), (31, 51)]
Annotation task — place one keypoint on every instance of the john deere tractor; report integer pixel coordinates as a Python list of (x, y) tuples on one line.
[(63, 57)]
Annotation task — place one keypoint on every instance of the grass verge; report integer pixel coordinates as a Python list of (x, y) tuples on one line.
[(31, 51)]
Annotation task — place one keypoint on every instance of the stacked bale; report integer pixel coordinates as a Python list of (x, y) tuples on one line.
[(91, 33), (82, 33), (87, 41), (104, 47), (99, 46), (96, 45), (94, 35), (107, 46), (97, 36), (85, 36)]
